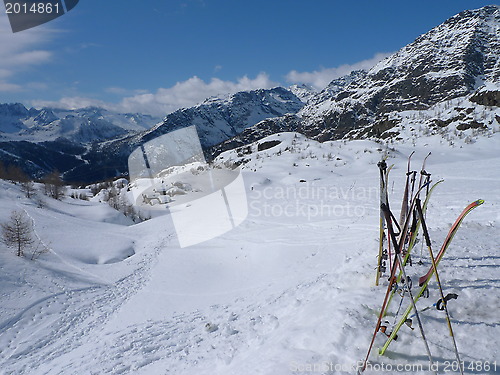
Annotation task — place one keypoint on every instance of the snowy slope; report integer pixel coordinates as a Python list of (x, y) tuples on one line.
[(289, 291)]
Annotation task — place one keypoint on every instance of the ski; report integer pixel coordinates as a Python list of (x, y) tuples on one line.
[(424, 280), (384, 178), (403, 271), (423, 172), (413, 238), (389, 253), (382, 166), (442, 303), (404, 204), (398, 248), (424, 209)]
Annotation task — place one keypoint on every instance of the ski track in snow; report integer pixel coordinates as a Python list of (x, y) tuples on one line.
[(70, 317)]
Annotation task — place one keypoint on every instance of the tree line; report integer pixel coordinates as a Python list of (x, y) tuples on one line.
[(53, 184)]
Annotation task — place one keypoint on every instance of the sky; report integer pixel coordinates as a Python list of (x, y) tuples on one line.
[(155, 56)]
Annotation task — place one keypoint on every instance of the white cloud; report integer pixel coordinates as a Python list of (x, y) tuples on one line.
[(19, 51), (74, 102), (194, 90), (166, 100), (10, 87), (123, 91), (319, 79), (191, 92)]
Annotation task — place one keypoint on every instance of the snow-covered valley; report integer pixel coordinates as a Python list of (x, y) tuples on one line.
[(289, 291)]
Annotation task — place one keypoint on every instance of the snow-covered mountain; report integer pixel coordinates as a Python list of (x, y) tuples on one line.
[(450, 61), (216, 120), (93, 143), (303, 92), (43, 140), (336, 86), (80, 126), (447, 81)]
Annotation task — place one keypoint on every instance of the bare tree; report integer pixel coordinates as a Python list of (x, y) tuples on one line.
[(40, 249), (54, 185), (3, 171), (28, 188), (16, 174), (12, 172), (17, 233)]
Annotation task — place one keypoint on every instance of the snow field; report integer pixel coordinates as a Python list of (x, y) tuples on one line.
[(290, 291)]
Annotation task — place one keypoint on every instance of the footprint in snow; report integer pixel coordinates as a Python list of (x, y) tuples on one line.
[(210, 327)]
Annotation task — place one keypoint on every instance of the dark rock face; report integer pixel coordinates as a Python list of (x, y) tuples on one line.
[(487, 98)]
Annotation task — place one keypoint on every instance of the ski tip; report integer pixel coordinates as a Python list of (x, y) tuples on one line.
[(479, 202), (423, 279)]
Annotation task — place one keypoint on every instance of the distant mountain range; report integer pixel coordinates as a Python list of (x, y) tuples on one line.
[(93, 143), (87, 125), (447, 78)]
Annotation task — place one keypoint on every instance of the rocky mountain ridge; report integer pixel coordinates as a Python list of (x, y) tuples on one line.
[(447, 80), (450, 61)]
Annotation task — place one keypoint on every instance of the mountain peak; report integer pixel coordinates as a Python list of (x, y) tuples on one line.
[(450, 61)]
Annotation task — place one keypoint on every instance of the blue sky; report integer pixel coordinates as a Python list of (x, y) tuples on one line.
[(155, 56)]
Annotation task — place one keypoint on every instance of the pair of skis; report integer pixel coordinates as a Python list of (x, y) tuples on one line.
[(415, 227), (398, 247), (413, 238), (425, 279), (385, 254), (417, 210)]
